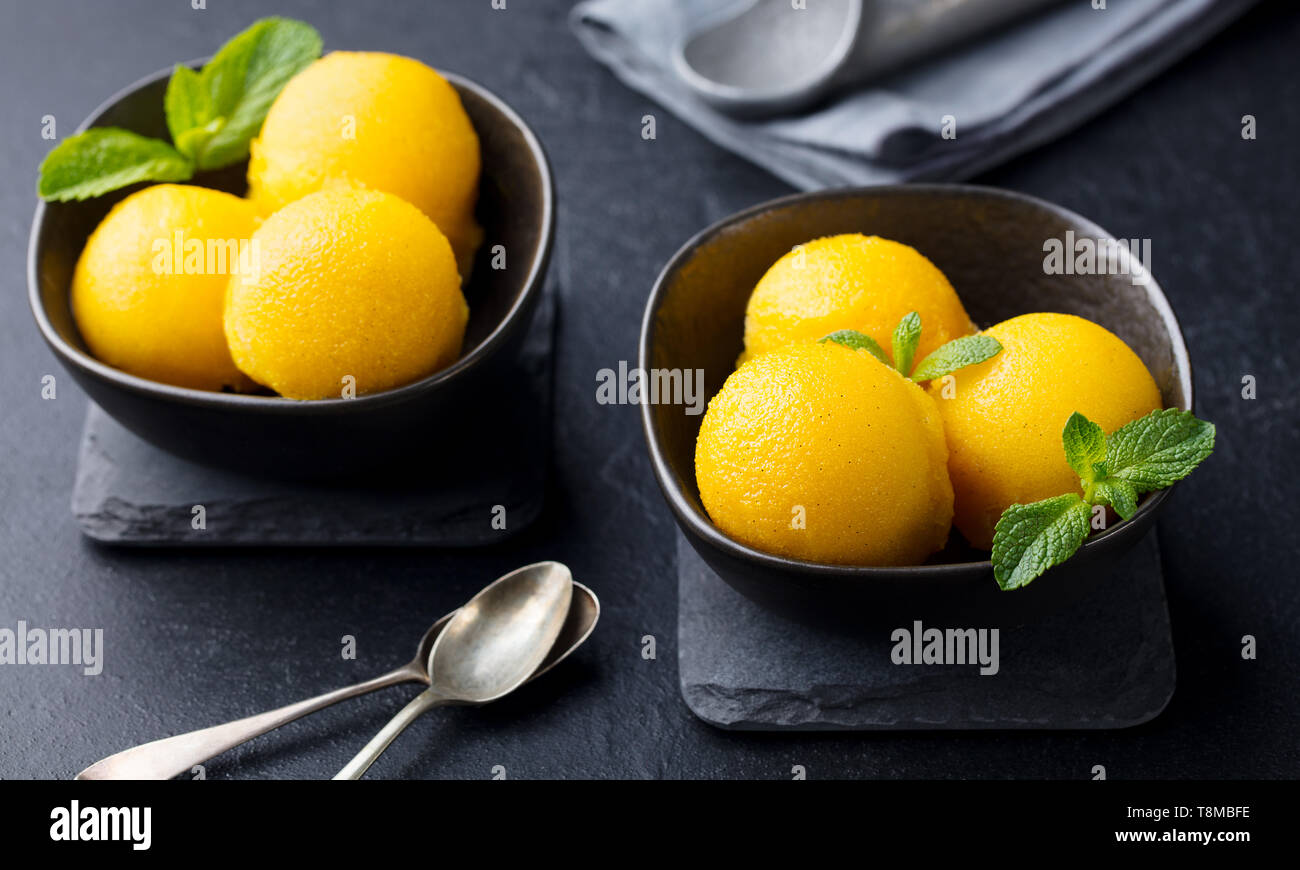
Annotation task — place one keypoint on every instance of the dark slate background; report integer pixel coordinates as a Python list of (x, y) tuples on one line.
[(196, 638)]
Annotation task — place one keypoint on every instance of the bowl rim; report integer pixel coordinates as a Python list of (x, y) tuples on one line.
[(702, 528), (88, 365)]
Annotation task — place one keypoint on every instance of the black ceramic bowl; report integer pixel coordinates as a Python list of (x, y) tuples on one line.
[(324, 438), (990, 245)]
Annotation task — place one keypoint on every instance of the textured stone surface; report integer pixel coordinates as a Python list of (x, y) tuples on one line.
[(203, 635), (1107, 662), (130, 492)]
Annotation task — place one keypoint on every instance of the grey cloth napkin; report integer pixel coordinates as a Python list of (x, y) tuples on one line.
[(1010, 91)]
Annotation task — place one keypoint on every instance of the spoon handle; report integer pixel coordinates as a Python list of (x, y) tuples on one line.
[(360, 763), (163, 759)]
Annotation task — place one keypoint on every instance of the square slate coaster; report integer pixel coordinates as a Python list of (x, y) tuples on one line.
[(129, 492), (1108, 662)]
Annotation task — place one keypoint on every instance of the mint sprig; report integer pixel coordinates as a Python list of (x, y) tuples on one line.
[(1031, 538), (92, 163), (238, 86), (855, 340), (212, 115), (907, 335), (188, 108), (956, 354), (1160, 452), (944, 360), (1117, 493), (1085, 447), (1151, 453)]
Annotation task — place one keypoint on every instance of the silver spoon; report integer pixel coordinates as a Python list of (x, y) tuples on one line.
[(172, 756), (490, 648)]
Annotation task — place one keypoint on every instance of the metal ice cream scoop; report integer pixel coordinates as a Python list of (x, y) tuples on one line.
[(777, 56)]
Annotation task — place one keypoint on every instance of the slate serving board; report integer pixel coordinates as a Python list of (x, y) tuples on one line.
[(130, 492), (1106, 663)]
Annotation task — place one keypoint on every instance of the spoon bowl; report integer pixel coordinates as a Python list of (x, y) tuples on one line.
[(579, 623), (493, 645), (495, 642)]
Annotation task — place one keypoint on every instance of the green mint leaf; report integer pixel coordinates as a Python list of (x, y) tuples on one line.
[(105, 158), (1030, 538), (907, 335), (956, 354), (1085, 448), (194, 140), (1117, 493), (241, 81), (1161, 448), (188, 109), (855, 340)]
